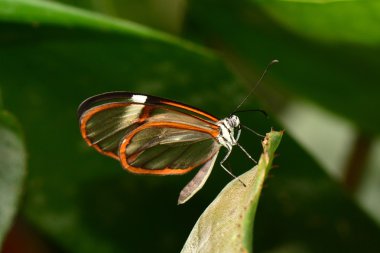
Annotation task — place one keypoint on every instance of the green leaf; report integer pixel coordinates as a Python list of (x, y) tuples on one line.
[(12, 170), (318, 19), (38, 13), (226, 225), (73, 194), (301, 207)]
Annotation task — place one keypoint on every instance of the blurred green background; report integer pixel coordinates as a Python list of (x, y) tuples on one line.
[(58, 195)]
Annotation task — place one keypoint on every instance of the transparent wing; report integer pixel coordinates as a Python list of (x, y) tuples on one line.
[(166, 148), (107, 118), (198, 181), (103, 127)]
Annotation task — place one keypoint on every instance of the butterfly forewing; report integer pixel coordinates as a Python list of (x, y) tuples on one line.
[(104, 128), (108, 118)]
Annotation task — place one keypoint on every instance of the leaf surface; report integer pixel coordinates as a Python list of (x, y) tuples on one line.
[(226, 225)]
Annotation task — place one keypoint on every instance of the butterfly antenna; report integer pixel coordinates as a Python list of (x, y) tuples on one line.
[(253, 131), (254, 87), (254, 110)]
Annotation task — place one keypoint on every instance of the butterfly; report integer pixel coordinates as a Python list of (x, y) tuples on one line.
[(158, 136)]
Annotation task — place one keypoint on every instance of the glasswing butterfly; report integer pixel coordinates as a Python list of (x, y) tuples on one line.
[(157, 136)]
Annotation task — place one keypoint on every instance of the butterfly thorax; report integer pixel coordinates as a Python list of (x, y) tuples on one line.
[(226, 135)]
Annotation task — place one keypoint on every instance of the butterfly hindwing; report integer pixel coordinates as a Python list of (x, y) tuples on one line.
[(164, 148)]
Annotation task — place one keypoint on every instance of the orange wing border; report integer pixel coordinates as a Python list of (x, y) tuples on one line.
[(166, 171), (91, 112)]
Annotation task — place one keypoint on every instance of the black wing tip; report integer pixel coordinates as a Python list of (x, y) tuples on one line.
[(89, 102)]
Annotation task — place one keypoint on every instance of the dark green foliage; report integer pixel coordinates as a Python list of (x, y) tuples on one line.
[(52, 57)]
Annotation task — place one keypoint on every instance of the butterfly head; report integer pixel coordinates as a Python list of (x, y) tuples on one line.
[(232, 121)]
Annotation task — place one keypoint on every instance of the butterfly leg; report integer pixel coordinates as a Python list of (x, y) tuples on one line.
[(238, 135), (249, 156), (229, 172)]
